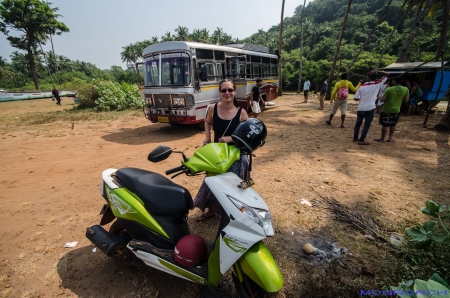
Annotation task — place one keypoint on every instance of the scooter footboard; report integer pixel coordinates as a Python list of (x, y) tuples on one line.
[(258, 264)]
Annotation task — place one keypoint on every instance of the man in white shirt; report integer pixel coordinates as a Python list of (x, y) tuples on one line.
[(367, 95)]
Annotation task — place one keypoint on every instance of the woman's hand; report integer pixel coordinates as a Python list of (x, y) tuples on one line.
[(225, 140)]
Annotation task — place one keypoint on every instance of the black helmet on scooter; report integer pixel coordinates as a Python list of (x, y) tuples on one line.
[(250, 135), (190, 250)]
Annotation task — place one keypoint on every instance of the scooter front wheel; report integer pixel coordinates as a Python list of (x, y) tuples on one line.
[(249, 289)]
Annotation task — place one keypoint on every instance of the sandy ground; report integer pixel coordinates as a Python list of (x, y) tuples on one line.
[(51, 175)]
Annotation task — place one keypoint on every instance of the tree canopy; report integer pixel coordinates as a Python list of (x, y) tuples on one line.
[(35, 20)]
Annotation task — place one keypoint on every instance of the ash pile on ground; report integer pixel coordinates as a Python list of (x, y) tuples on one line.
[(326, 249)]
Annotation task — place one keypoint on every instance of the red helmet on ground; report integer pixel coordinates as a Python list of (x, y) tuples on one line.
[(190, 250)]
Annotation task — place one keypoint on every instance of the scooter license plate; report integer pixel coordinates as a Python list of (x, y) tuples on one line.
[(247, 183), (163, 119)]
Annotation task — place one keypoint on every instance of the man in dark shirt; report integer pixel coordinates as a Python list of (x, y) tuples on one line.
[(56, 95), (256, 98), (323, 92)]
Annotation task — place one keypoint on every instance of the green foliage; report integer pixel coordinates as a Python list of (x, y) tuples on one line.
[(114, 96), (428, 233), (35, 20), (434, 284), (87, 95)]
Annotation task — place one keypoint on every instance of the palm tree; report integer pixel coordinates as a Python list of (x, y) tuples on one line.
[(155, 39), (204, 35), (423, 9), (182, 33), (301, 48), (196, 35), (216, 37), (166, 37), (444, 29), (280, 47), (6, 73), (130, 54), (336, 53), (388, 39), (370, 34), (21, 15)]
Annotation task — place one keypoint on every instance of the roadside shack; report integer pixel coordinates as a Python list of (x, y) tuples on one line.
[(428, 75)]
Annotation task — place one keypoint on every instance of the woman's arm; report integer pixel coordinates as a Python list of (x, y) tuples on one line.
[(244, 115), (208, 125)]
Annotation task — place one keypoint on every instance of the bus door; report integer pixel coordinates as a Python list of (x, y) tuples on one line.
[(237, 72), (140, 79)]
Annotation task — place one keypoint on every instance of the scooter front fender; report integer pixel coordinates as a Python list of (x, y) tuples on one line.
[(258, 264)]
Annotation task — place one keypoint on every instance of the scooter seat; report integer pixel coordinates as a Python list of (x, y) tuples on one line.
[(159, 194)]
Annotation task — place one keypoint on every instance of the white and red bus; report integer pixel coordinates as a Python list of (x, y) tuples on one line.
[(182, 78)]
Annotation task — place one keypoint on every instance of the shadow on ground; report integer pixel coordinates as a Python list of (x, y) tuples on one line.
[(156, 133), (93, 274)]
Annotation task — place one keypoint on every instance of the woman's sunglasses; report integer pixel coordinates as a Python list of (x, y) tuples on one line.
[(225, 90)]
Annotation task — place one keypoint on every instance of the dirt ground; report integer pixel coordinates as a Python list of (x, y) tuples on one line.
[(51, 175)]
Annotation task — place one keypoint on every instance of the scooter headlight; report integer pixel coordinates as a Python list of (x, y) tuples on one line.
[(261, 217)]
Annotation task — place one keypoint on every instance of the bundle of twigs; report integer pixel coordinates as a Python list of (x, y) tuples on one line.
[(362, 222)]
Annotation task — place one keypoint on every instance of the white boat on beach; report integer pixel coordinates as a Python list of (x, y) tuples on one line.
[(11, 96)]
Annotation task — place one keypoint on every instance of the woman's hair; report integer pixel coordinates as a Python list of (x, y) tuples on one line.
[(235, 102)]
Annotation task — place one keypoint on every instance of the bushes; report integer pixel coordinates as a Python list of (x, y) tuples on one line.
[(115, 96), (87, 95)]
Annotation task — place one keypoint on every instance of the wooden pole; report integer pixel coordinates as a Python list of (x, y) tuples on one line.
[(56, 61), (301, 49), (280, 46), (430, 106)]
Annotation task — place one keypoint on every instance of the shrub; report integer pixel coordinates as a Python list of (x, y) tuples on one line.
[(87, 95), (115, 96)]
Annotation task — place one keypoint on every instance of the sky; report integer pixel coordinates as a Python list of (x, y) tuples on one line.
[(100, 28)]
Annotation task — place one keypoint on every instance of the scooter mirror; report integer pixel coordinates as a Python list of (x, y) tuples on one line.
[(160, 153)]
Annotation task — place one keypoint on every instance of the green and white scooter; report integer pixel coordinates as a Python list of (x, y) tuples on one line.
[(150, 213)]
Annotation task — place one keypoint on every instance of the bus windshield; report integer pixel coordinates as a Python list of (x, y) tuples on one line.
[(175, 70)]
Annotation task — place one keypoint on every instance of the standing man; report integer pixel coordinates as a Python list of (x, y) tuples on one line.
[(393, 98), (323, 92), (256, 98), (367, 96), (55, 93), (341, 90), (306, 87)]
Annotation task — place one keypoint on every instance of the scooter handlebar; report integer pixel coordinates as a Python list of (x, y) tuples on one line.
[(174, 170)]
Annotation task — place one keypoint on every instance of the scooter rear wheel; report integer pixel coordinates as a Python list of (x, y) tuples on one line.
[(123, 256), (249, 289)]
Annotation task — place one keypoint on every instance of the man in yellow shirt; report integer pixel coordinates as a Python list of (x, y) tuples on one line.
[(341, 92)]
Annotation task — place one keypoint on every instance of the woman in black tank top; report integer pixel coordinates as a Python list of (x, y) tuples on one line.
[(223, 117)]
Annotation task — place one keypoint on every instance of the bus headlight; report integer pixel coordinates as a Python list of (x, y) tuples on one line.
[(178, 101), (261, 217)]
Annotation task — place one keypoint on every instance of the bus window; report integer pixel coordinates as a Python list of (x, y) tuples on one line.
[(272, 71), (256, 59), (242, 70), (151, 73), (220, 55), (203, 74), (255, 71), (234, 69), (174, 70), (204, 54), (210, 72), (219, 71), (266, 70), (249, 70)]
